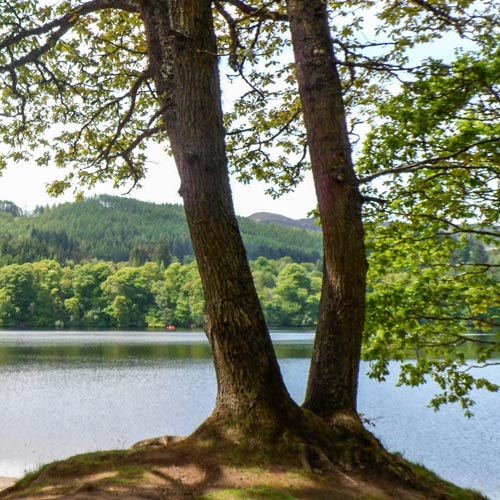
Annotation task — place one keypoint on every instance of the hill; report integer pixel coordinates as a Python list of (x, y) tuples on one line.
[(122, 229), (267, 217)]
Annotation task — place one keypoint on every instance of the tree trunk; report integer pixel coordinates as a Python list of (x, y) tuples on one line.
[(253, 408), (182, 54), (333, 378)]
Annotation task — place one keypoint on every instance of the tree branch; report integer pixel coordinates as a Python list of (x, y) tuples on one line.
[(259, 12), (373, 199), (442, 15), (456, 318), (233, 33), (132, 94), (63, 25), (429, 163), (460, 229)]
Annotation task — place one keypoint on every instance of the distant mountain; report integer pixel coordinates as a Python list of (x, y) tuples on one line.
[(123, 229), (268, 217)]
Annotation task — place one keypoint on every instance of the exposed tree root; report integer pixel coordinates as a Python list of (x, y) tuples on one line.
[(305, 458), (305, 441)]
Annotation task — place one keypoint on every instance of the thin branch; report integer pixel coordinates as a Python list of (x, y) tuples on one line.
[(269, 140), (460, 229), (485, 266), (132, 94), (485, 364), (63, 25), (456, 318), (373, 199), (21, 97), (233, 32), (476, 340), (429, 163), (259, 12), (145, 134), (442, 15)]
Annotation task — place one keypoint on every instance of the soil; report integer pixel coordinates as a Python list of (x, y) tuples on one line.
[(5, 482), (173, 468)]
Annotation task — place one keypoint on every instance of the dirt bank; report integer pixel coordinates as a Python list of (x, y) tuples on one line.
[(188, 470), (5, 482)]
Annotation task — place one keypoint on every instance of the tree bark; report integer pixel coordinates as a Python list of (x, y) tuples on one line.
[(182, 54), (333, 378)]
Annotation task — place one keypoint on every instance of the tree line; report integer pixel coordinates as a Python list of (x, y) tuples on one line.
[(100, 294)]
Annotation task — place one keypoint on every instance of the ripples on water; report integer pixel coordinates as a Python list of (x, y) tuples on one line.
[(68, 392)]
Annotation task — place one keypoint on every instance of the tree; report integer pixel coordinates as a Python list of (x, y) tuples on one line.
[(438, 140), (429, 118), (49, 306), (182, 56), (11, 208), (334, 372), (291, 298), (17, 283), (172, 90), (175, 91), (86, 284), (129, 294)]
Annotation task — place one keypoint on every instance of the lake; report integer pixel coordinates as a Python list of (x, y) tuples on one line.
[(64, 393)]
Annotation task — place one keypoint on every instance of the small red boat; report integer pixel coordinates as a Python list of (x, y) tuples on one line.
[(170, 328)]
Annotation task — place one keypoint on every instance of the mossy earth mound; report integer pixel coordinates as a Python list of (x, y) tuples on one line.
[(196, 468)]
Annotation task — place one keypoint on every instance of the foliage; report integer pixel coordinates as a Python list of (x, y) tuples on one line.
[(123, 229), (105, 295), (76, 109), (428, 167), (432, 271), (289, 292)]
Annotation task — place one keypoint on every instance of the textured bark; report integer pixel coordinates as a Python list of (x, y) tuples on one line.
[(182, 54), (333, 378)]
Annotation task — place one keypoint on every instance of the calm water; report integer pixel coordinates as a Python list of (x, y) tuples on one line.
[(68, 392)]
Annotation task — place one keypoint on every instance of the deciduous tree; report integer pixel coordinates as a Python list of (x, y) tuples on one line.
[(333, 380), (429, 162), (150, 69)]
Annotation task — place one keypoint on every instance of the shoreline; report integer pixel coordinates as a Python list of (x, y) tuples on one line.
[(6, 482)]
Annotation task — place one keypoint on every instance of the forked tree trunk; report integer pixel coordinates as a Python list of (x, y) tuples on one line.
[(251, 398), (182, 55), (333, 378)]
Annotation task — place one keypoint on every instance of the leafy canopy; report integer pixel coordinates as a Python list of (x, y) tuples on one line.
[(77, 91)]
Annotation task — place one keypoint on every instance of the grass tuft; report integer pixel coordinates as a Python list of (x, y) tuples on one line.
[(251, 493)]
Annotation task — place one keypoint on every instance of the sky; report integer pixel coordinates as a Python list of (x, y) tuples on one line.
[(24, 184)]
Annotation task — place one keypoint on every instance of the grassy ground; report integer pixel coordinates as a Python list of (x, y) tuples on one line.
[(186, 469)]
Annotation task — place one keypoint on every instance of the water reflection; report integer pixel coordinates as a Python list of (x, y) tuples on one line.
[(119, 348), (94, 348), (67, 392)]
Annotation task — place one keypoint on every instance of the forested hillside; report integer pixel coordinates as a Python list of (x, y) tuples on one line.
[(119, 229), (268, 218), (111, 262)]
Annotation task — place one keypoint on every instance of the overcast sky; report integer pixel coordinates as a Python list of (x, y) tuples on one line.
[(24, 184)]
